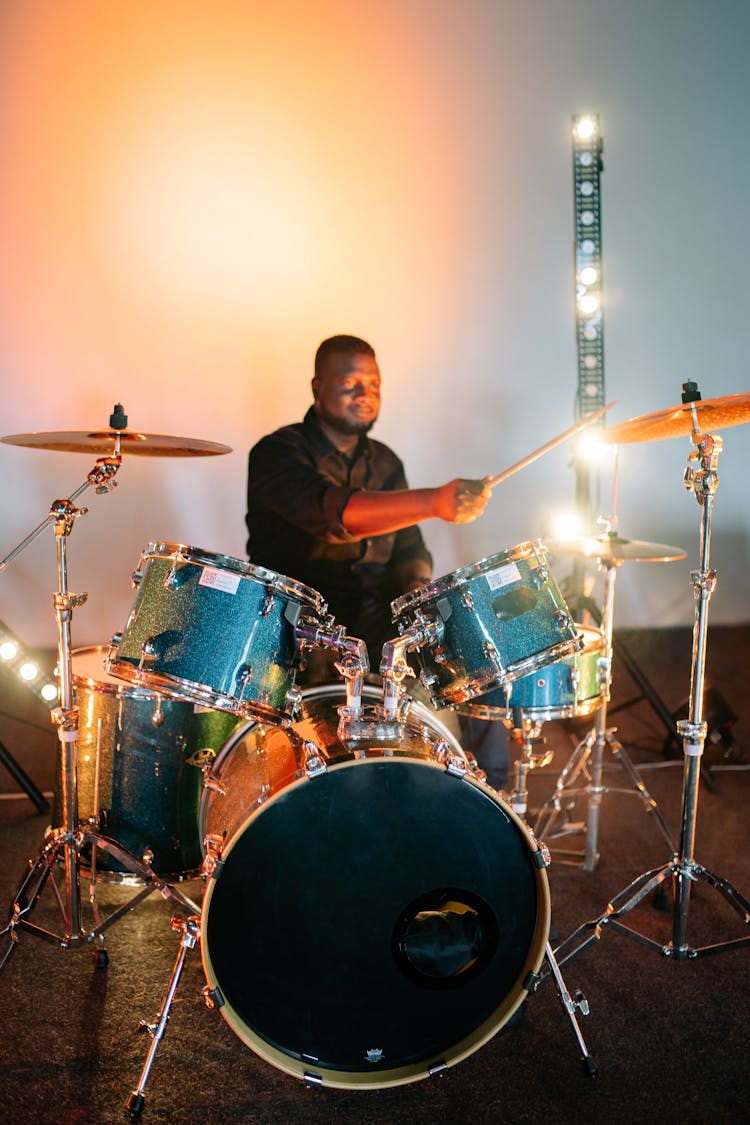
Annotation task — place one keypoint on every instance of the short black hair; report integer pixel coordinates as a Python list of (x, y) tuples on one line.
[(346, 345)]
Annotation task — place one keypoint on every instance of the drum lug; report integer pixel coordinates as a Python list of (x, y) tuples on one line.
[(268, 601), (309, 1079), (148, 653), (148, 857), (314, 764), (456, 767), (177, 577), (539, 576), (212, 997), (293, 700), (212, 864), (563, 620), (245, 678), (467, 601), (136, 578), (490, 653), (212, 783), (440, 751), (541, 857), (437, 1070)]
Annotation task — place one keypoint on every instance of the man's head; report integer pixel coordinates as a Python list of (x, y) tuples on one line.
[(346, 385)]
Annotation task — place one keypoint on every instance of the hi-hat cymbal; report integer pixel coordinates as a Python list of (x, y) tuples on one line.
[(104, 442), (611, 548), (703, 416)]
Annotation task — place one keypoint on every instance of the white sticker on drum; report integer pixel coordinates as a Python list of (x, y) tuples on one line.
[(220, 580), (503, 576)]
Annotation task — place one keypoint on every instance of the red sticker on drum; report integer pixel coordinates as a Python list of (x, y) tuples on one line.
[(219, 580)]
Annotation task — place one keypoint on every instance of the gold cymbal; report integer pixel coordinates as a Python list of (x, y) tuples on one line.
[(611, 548), (705, 416), (108, 441)]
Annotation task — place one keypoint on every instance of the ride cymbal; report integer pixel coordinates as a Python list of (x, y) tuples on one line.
[(702, 416), (611, 548), (111, 441)]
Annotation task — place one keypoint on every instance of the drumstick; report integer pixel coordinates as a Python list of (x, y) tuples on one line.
[(491, 482)]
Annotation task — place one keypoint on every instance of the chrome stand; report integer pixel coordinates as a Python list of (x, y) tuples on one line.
[(682, 869), (190, 930), (67, 841), (588, 756)]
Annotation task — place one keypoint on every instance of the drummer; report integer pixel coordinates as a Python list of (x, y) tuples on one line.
[(330, 506)]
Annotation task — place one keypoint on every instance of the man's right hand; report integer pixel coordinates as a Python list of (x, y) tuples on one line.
[(461, 500)]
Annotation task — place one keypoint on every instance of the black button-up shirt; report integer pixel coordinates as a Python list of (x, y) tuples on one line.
[(298, 487)]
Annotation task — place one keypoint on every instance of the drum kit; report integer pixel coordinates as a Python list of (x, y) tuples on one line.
[(373, 911)]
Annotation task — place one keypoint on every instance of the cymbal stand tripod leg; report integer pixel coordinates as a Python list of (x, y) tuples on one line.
[(589, 756), (190, 930), (683, 870)]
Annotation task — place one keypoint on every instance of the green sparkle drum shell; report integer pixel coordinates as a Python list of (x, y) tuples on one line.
[(568, 689), (139, 769), (214, 630), (500, 619)]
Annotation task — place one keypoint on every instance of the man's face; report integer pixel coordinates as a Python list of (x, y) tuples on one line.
[(347, 392)]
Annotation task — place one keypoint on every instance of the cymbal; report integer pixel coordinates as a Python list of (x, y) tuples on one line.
[(105, 442), (709, 415), (610, 547)]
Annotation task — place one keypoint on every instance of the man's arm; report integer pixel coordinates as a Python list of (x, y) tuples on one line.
[(377, 513)]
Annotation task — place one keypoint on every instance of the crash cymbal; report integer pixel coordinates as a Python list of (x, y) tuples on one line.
[(705, 416), (611, 548), (104, 442)]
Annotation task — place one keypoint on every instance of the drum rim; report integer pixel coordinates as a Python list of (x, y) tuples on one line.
[(399, 1075), (450, 581), (131, 689), (197, 694), (161, 549), (369, 692)]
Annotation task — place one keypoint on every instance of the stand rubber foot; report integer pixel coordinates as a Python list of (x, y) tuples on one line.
[(589, 1066), (101, 959), (135, 1104)]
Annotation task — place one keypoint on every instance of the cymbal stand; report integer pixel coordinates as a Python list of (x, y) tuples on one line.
[(68, 840), (702, 478), (587, 758)]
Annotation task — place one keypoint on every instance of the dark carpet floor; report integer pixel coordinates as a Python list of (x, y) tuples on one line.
[(670, 1036)]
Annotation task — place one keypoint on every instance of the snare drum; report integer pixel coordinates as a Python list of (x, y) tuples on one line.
[(214, 630), (501, 618), (138, 769), (374, 918), (567, 689)]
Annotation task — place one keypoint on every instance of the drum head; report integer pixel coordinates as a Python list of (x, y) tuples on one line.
[(374, 922)]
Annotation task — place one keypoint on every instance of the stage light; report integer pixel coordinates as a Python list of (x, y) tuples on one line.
[(591, 448), (566, 525), (19, 661), (588, 304), (584, 128)]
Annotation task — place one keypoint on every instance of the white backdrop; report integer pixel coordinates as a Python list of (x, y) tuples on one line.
[(193, 196)]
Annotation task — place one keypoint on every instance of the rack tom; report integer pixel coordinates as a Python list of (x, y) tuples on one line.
[(498, 620)]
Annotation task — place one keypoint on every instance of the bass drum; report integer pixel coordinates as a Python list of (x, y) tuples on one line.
[(372, 920)]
